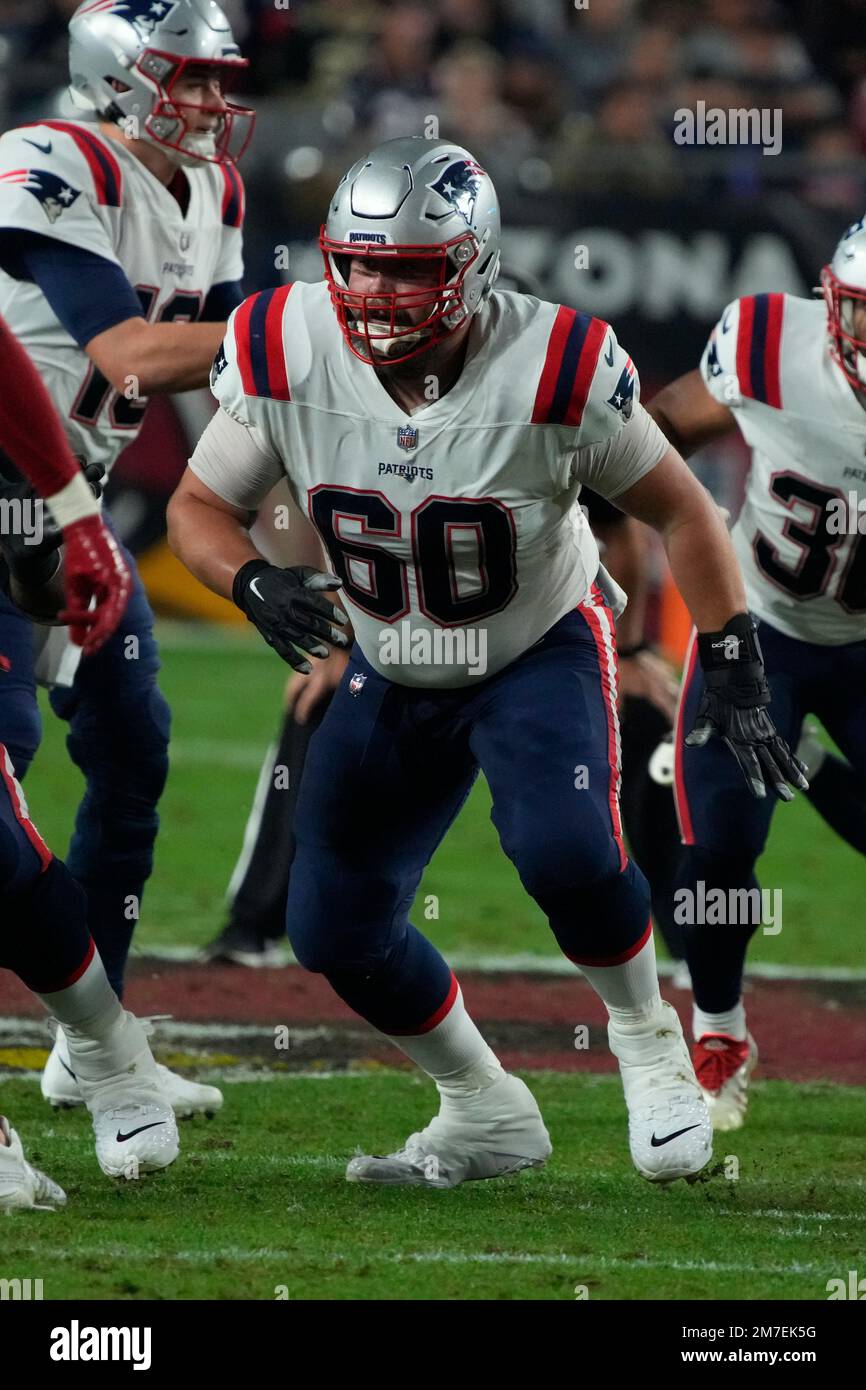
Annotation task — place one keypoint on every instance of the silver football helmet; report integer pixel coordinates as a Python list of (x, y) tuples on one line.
[(126, 56), (843, 282), (411, 200)]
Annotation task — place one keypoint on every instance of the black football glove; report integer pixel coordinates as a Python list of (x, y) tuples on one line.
[(289, 609), (35, 562), (734, 707)]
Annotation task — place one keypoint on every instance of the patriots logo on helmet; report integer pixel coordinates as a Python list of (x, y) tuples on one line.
[(54, 194), (143, 15), (623, 395), (459, 185)]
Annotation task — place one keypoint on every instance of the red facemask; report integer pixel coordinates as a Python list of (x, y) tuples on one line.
[(844, 347), (360, 316), (234, 127)]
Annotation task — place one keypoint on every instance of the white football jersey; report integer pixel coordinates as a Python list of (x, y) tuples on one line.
[(796, 538), (455, 530), (64, 180)]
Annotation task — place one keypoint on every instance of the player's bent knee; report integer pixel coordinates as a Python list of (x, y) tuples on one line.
[(126, 758), (20, 865)]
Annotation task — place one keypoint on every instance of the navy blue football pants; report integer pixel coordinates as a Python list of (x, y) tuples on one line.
[(118, 737), (389, 769), (724, 828)]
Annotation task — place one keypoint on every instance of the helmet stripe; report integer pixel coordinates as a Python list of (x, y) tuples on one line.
[(107, 177)]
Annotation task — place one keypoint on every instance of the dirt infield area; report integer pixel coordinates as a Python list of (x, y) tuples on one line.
[(290, 1020)]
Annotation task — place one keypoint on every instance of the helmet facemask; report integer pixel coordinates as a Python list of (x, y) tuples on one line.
[(846, 349), (379, 327), (172, 123)]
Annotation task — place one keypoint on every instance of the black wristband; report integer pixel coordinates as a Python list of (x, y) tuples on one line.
[(34, 570), (242, 579), (735, 647)]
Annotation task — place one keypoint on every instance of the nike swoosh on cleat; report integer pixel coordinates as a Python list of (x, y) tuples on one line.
[(66, 1068), (657, 1143), (122, 1138), (608, 356), (45, 149)]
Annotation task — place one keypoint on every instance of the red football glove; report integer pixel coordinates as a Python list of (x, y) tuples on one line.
[(93, 568)]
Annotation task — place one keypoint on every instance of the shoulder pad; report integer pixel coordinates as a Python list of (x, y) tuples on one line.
[(742, 357), (69, 151)]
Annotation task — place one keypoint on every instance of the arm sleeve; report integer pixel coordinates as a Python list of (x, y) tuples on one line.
[(617, 464), (235, 462), (88, 293)]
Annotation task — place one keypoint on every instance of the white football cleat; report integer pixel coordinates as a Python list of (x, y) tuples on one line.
[(669, 1130), (60, 1088), (496, 1133), (23, 1187), (723, 1067), (118, 1080)]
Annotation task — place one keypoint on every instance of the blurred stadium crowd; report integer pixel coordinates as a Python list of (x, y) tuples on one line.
[(570, 105), (551, 95)]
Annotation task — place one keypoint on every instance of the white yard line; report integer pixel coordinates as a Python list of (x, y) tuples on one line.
[(529, 963), (579, 1264)]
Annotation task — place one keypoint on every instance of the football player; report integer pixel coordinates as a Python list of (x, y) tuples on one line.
[(437, 434), (45, 939), (120, 260), (790, 374)]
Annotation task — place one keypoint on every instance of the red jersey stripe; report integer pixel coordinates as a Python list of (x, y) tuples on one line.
[(585, 372), (562, 326)]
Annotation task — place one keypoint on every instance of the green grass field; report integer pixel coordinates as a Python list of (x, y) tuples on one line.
[(226, 703), (258, 1202)]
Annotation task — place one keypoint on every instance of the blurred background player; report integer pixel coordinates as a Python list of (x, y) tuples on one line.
[(44, 937), (790, 374), (118, 234)]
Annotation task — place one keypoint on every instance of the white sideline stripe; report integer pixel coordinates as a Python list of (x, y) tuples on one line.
[(529, 963), (32, 1032), (581, 1263)]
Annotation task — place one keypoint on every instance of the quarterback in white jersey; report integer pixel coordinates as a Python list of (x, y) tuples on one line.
[(436, 434), (120, 261), (67, 184), (790, 374)]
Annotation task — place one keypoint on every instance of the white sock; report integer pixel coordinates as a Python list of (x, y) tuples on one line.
[(630, 990), (88, 1007), (733, 1022), (454, 1054)]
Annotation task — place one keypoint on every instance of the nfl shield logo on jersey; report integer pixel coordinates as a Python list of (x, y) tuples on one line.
[(407, 437), (357, 683)]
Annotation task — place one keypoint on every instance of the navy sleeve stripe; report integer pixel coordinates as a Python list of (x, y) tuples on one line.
[(88, 294)]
